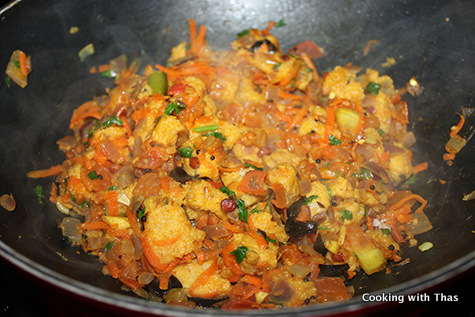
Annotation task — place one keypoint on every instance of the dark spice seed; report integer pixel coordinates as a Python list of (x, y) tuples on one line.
[(372, 187)]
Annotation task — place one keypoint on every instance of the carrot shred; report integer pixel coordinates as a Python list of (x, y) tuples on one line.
[(448, 156), (54, 170), (202, 279), (96, 225), (254, 280), (409, 198), (229, 259), (231, 228), (456, 128), (23, 65), (420, 167)]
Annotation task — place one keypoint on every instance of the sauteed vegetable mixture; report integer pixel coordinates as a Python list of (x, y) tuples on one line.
[(240, 178)]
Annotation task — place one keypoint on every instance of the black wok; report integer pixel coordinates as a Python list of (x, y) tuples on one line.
[(431, 40)]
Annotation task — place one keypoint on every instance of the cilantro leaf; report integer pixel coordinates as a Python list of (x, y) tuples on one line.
[(240, 253)]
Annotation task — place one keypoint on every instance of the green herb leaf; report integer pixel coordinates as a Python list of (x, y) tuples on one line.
[(243, 33), (227, 191), (240, 253), (92, 175), (323, 228), (206, 128), (108, 73), (271, 240), (67, 240), (173, 106), (280, 24), (276, 66), (241, 207), (16, 63), (373, 87), (218, 135), (412, 180), (113, 187), (345, 214), (39, 194), (386, 231), (141, 213), (252, 166), (8, 81), (112, 120), (381, 132), (186, 152), (332, 140), (108, 246), (310, 199), (85, 204)]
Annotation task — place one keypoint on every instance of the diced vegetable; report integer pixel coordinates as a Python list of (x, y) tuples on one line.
[(158, 82), (347, 119), (86, 51), (19, 67), (370, 257)]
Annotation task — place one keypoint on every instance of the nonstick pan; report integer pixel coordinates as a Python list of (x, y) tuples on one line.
[(432, 41)]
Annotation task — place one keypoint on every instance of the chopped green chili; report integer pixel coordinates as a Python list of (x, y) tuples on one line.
[(206, 128)]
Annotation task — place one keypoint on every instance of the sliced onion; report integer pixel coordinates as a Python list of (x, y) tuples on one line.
[(281, 292), (118, 65), (299, 270), (128, 248), (216, 231), (141, 293), (124, 176), (468, 197), (7, 202), (409, 139), (137, 246), (305, 185), (419, 224), (145, 278), (69, 228)]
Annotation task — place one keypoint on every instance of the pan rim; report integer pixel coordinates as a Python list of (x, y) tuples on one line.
[(137, 305)]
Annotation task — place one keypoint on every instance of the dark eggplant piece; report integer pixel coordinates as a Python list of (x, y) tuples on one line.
[(270, 45), (179, 174), (298, 229), (339, 270), (319, 246), (205, 302), (154, 287)]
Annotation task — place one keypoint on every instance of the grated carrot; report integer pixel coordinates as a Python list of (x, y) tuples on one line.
[(409, 198), (203, 279), (23, 65), (420, 167), (54, 170), (456, 128)]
